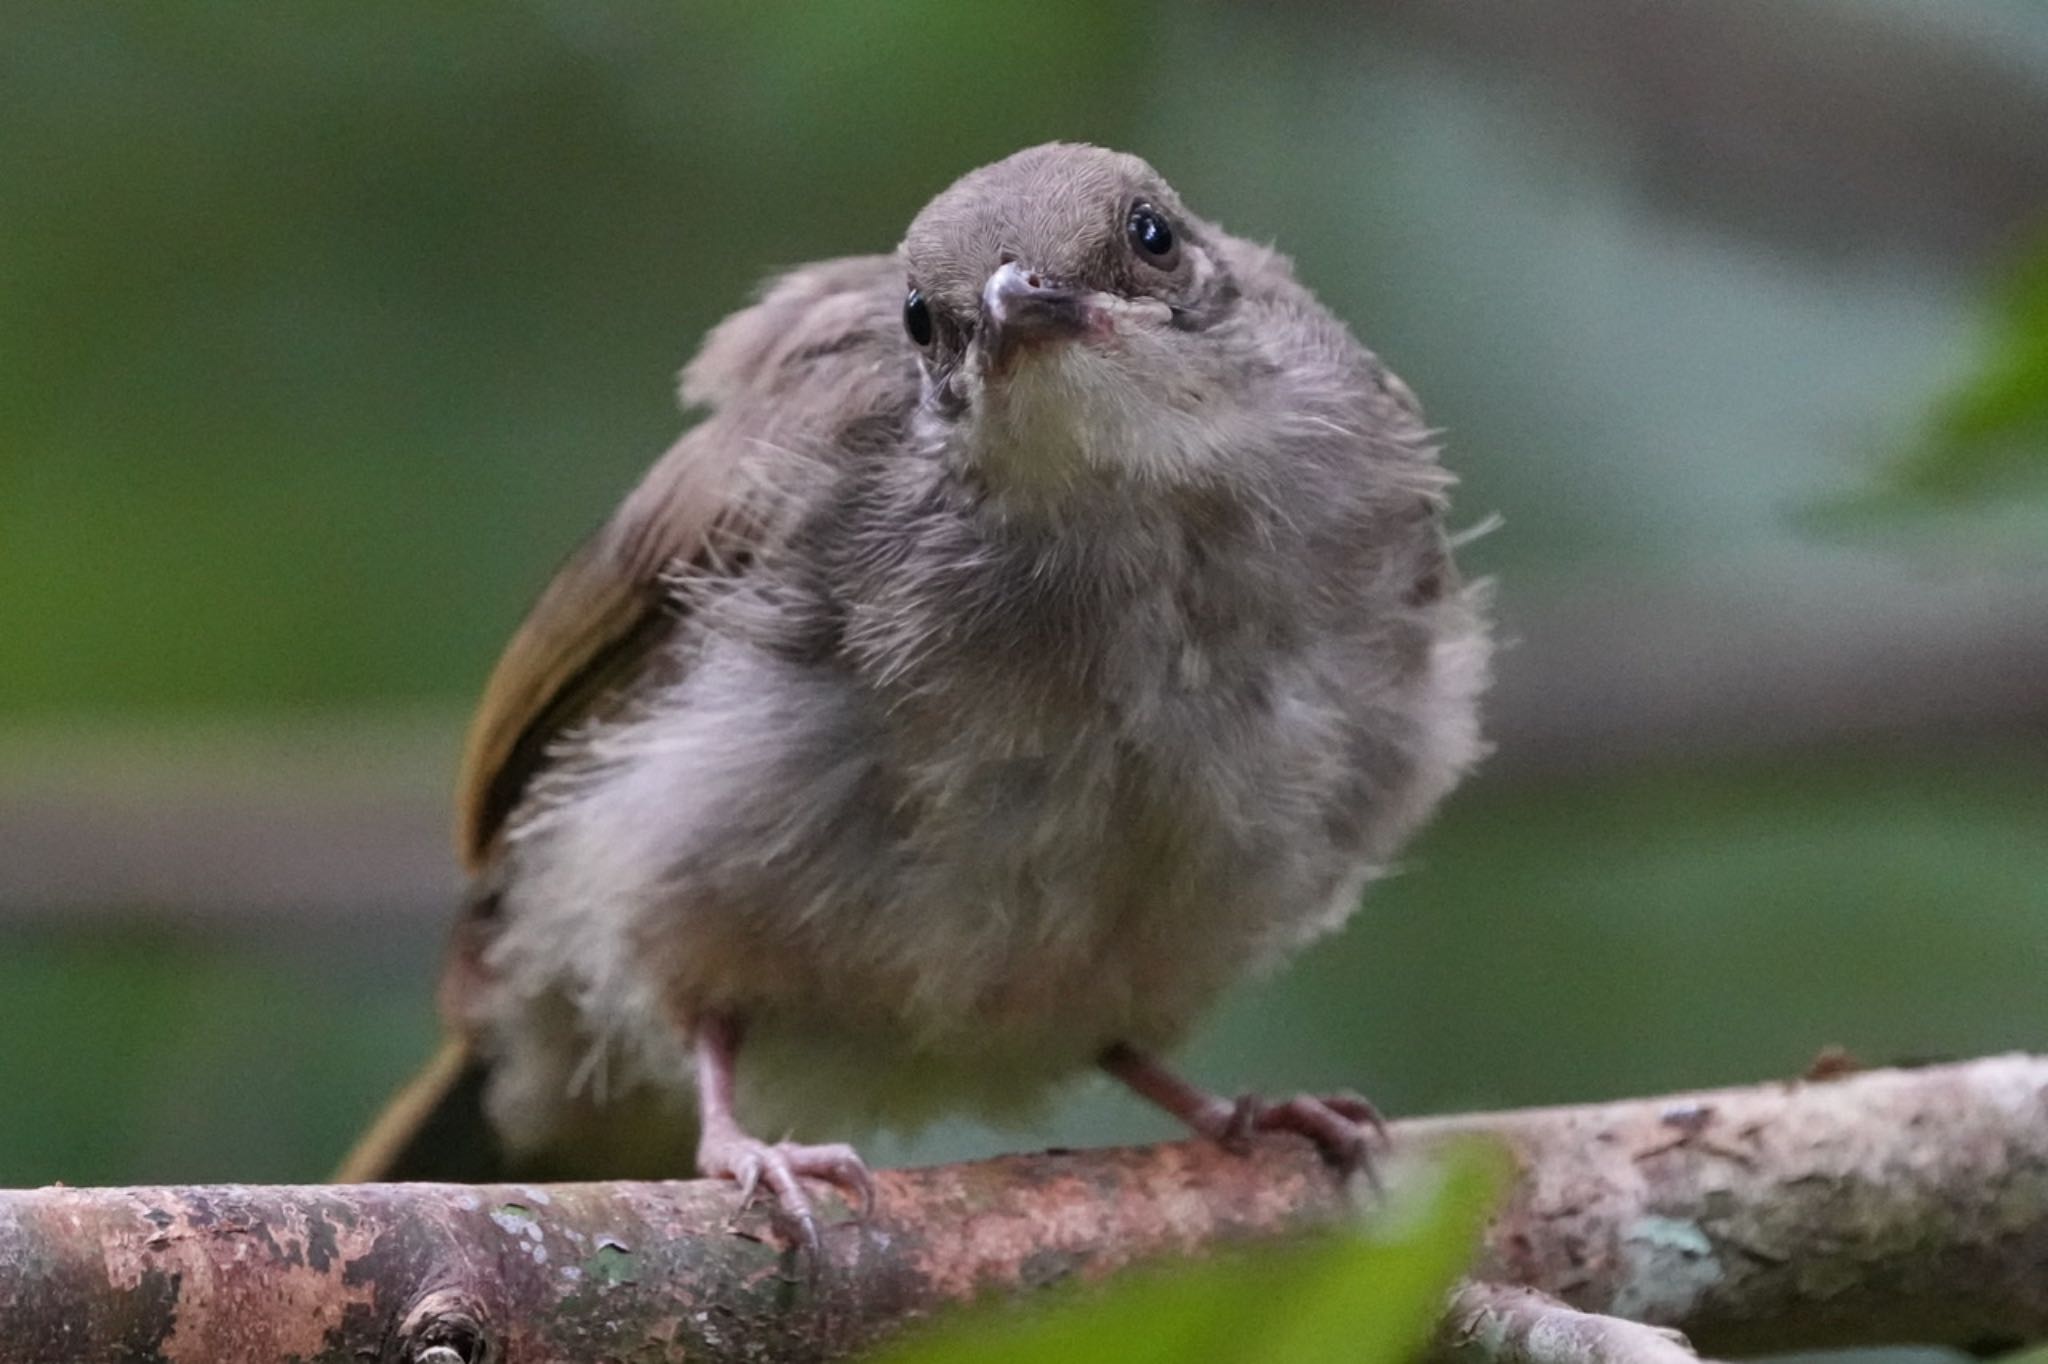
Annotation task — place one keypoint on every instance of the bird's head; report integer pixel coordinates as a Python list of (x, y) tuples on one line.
[(1073, 320)]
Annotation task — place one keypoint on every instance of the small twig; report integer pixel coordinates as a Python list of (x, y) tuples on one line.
[(1498, 1324)]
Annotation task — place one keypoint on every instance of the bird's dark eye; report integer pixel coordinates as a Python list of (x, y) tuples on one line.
[(1151, 236), (917, 318)]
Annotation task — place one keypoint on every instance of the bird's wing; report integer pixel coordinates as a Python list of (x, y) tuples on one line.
[(819, 364)]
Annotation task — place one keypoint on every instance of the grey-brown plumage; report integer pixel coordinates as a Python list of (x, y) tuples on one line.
[(1047, 624)]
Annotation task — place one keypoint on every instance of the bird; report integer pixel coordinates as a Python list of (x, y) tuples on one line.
[(1045, 625)]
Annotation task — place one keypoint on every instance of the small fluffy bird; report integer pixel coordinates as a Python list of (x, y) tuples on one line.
[(1045, 625)]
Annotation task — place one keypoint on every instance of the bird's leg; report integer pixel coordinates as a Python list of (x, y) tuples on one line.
[(725, 1150), (1344, 1126)]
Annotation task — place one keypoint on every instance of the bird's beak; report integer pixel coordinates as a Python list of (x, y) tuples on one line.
[(1022, 309)]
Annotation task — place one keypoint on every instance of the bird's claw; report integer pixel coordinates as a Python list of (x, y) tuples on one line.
[(1345, 1127), (781, 1167)]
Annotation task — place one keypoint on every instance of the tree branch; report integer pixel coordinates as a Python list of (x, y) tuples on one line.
[(1885, 1207)]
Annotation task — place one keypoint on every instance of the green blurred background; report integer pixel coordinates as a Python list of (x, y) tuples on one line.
[(326, 329)]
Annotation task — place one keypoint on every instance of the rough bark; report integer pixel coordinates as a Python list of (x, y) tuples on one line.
[(1884, 1207)]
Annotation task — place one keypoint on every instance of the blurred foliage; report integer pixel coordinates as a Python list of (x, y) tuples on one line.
[(1991, 433), (315, 318), (1360, 1298), (328, 327), (154, 1053)]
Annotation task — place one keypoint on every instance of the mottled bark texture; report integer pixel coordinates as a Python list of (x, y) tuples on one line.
[(1887, 1206), (1490, 1323)]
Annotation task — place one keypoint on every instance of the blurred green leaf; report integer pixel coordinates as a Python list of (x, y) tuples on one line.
[(1360, 1298), (1994, 426)]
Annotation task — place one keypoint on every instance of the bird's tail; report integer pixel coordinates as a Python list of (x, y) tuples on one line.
[(432, 1129)]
